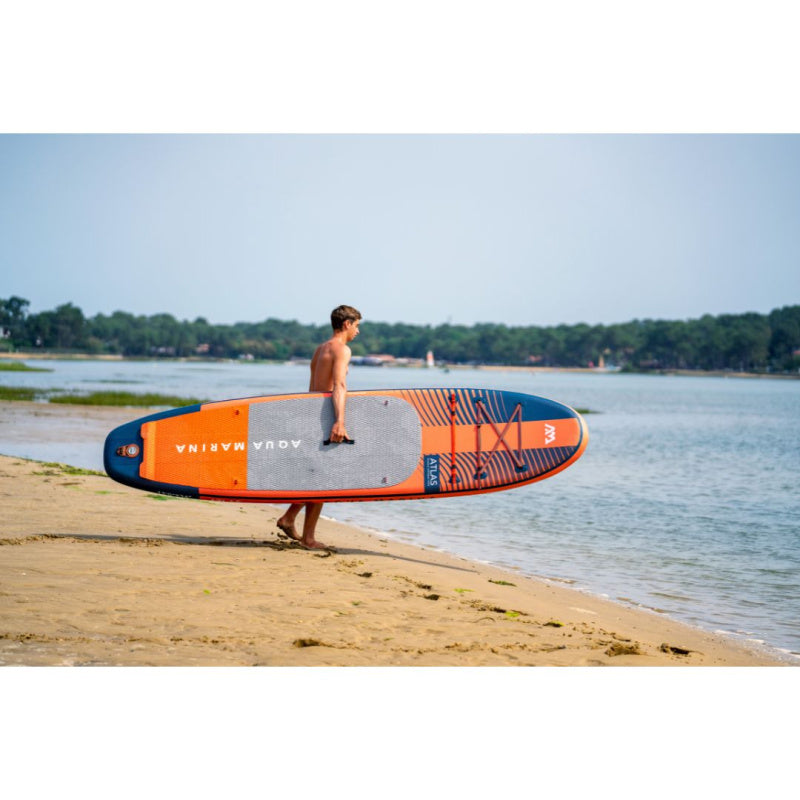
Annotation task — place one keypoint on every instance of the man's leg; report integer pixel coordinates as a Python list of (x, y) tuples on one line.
[(286, 522), (313, 510)]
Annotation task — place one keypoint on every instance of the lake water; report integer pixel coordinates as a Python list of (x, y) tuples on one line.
[(685, 502)]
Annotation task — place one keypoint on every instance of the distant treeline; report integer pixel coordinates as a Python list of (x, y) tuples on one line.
[(741, 342)]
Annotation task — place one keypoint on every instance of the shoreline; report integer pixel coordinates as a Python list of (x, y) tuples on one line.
[(93, 572), (759, 647), (689, 373)]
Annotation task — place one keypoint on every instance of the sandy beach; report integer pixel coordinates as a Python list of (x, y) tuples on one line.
[(95, 573)]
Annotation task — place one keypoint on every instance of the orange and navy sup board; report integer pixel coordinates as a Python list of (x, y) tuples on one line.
[(406, 443)]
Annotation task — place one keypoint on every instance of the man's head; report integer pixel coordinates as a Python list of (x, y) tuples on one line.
[(342, 314)]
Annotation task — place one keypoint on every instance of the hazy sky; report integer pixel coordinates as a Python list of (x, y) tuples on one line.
[(524, 229)]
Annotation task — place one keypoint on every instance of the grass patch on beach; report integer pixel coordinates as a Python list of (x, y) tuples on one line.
[(125, 399), (18, 393), (20, 366), (54, 468)]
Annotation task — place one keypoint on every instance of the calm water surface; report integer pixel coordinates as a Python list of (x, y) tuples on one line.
[(685, 502)]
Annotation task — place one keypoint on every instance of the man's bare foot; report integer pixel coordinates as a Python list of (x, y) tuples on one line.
[(288, 529), (314, 545)]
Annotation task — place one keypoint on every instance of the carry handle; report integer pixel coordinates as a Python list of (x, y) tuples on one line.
[(344, 441)]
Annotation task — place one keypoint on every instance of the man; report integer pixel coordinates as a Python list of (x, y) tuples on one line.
[(328, 374)]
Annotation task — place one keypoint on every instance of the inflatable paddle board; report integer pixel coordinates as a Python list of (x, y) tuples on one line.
[(406, 443)]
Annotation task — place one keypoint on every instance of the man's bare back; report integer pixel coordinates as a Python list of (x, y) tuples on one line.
[(325, 357)]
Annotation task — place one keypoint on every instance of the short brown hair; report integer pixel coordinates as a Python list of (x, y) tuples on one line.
[(341, 314)]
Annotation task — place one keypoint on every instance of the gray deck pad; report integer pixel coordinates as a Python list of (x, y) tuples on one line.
[(286, 450)]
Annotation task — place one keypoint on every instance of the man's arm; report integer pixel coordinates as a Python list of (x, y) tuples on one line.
[(341, 360)]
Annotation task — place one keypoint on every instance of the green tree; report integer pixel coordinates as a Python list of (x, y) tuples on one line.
[(784, 340), (13, 313)]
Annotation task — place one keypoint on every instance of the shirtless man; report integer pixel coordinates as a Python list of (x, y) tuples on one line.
[(328, 374)]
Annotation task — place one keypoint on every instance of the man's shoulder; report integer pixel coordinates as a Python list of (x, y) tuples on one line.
[(335, 349), (337, 346), (341, 350), (326, 347)]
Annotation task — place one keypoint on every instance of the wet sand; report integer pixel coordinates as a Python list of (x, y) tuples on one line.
[(95, 573)]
